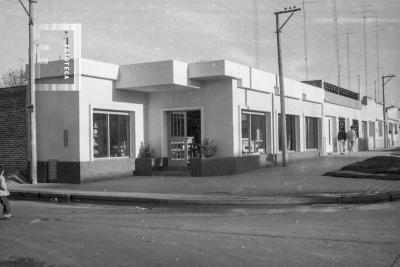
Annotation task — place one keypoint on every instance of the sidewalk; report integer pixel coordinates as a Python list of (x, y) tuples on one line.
[(301, 182)]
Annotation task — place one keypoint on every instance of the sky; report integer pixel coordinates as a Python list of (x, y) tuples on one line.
[(133, 31)]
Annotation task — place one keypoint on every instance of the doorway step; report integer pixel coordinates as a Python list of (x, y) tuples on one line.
[(172, 171)]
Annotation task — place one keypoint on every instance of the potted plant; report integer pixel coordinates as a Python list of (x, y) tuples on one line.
[(208, 147), (145, 162)]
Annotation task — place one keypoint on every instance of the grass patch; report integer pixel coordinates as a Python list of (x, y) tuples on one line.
[(380, 167), (379, 164)]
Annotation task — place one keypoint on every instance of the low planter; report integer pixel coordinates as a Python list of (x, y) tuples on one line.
[(200, 167), (146, 166)]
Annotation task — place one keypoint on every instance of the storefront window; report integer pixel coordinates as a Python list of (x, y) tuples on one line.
[(253, 133), (100, 135), (380, 129), (312, 133), (290, 130), (110, 135)]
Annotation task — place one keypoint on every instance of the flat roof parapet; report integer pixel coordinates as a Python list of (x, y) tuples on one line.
[(333, 88), (340, 91)]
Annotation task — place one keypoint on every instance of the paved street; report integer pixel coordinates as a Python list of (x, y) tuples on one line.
[(51, 234), (299, 177)]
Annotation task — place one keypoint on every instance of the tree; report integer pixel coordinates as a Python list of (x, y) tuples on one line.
[(13, 77)]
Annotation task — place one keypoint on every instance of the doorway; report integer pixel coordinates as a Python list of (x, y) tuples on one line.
[(372, 136), (328, 135), (184, 137), (364, 135)]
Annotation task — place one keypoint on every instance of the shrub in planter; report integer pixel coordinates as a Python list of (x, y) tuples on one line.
[(208, 147), (146, 151), (145, 162)]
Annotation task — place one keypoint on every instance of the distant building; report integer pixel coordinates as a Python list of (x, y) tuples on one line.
[(94, 128)]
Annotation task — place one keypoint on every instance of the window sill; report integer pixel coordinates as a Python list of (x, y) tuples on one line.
[(252, 154), (290, 151), (108, 158)]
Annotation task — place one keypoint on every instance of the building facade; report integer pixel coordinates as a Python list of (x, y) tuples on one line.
[(95, 128)]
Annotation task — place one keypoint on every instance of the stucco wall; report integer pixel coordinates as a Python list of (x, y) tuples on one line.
[(100, 94), (342, 100), (57, 111), (373, 112), (298, 89), (250, 100), (215, 98), (340, 111)]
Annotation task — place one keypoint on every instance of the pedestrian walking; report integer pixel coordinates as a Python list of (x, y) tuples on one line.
[(342, 140), (3, 195), (351, 136)]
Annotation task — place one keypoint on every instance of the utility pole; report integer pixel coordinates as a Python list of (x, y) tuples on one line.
[(281, 82), (32, 106), (389, 77), (305, 40), (348, 60), (364, 17), (365, 52), (31, 94), (377, 56), (336, 40), (348, 33), (256, 39)]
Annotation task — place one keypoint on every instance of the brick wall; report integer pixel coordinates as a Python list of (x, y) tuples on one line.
[(13, 130)]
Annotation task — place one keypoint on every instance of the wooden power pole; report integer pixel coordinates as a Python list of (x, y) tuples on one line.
[(385, 130), (281, 83)]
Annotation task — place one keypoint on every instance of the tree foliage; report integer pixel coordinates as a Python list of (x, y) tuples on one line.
[(13, 77)]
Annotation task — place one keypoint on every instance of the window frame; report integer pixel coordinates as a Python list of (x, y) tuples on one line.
[(296, 132), (317, 132), (108, 113), (249, 133)]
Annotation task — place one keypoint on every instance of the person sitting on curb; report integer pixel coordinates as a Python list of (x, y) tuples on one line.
[(351, 136), (342, 140), (3, 195)]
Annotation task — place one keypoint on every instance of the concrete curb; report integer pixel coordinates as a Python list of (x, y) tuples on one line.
[(354, 198), (154, 199), (123, 198)]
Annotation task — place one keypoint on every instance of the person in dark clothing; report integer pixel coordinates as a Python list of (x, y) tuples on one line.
[(342, 140), (3, 195)]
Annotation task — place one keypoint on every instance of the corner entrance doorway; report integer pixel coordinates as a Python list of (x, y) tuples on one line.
[(184, 137)]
